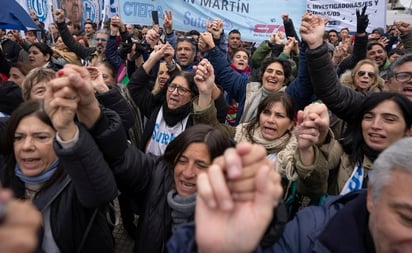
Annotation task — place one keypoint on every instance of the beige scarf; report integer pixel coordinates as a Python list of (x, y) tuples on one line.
[(283, 146)]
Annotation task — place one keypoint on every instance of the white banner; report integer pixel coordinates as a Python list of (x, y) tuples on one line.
[(342, 13), (255, 19)]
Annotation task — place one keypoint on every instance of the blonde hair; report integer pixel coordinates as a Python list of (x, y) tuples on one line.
[(162, 67), (34, 77)]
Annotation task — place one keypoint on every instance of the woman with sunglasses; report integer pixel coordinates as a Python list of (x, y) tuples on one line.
[(168, 113), (363, 77)]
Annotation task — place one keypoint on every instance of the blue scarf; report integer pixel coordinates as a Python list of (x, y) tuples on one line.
[(41, 178)]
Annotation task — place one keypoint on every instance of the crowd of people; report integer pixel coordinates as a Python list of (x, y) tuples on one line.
[(298, 145)]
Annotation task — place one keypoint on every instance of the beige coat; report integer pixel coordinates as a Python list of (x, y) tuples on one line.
[(329, 172)]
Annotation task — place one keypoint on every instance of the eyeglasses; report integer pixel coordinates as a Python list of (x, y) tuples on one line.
[(180, 90), (101, 40), (187, 38), (362, 73), (403, 76)]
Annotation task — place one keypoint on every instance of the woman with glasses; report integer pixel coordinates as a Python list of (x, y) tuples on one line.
[(169, 112), (364, 77)]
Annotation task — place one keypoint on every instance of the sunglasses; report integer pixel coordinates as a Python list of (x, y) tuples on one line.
[(362, 73), (180, 90), (187, 38)]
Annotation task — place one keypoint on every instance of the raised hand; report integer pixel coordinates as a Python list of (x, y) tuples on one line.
[(403, 27), (168, 21), (115, 25), (60, 103), (307, 133), (312, 29), (362, 20), (97, 80), (223, 222), (19, 226), (152, 37), (59, 15), (216, 28), (76, 79), (291, 45), (206, 40), (318, 113), (205, 81)]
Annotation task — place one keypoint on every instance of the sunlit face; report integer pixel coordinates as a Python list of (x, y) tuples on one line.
[(390, 220), (185, 55), (274, 122), (73, 10), (38, 90), (195, 158), (402, 87), (377, 54), (16, 76), (33, 146), (107, 74), (37, 58), (234, 40), (173, 98), (383, 125), (240, 60), (365, 77), (273, 78)]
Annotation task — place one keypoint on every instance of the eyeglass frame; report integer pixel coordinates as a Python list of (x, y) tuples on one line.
[(180, 90), (361, 73), (187, 38), (396, 76)]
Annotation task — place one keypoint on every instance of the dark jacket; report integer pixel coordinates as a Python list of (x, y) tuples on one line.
[(147, 180), (85, 53), (340, 225), (360, 48), (114, 100), (150, 104), (341, 100), (85, 188)]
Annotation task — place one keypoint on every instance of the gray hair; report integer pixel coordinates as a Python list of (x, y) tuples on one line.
[(395, 157), (399, 61)]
